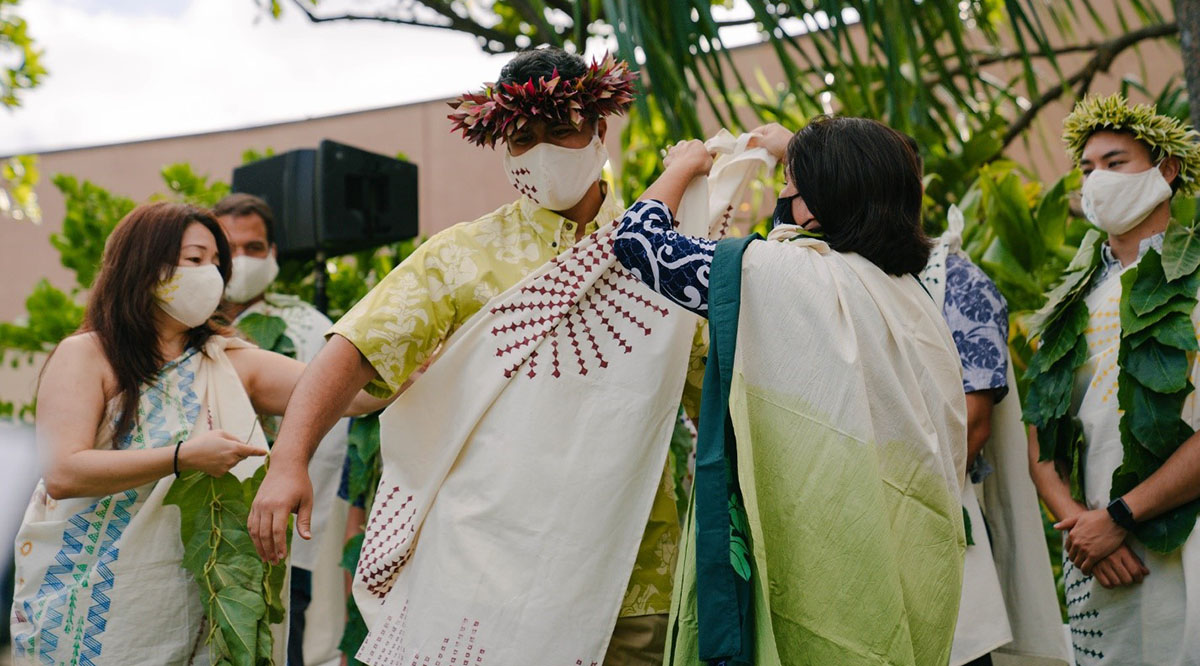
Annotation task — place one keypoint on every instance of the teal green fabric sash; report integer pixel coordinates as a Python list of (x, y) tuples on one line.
[(723, 596)]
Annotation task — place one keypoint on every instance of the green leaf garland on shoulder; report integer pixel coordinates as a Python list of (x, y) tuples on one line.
[(1063, 350), (1158, 340)]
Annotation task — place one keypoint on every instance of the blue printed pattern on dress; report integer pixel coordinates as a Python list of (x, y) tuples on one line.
[(84, 550), (673, 264), (978, 318)]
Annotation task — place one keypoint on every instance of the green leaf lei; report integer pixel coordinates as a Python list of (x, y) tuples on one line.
[(242, 595), (1158, 297), (268, 332)]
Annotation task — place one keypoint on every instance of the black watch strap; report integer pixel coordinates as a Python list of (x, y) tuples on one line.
[(1119, 511)]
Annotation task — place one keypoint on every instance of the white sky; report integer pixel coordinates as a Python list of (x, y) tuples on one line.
[(122, 70)]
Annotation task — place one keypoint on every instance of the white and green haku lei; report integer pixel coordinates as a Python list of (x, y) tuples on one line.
[(1158, 297)]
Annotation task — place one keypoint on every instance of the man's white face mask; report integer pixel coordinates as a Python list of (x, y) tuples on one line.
[(1117, 202), (554, 177), (251, 277), (191, 295)]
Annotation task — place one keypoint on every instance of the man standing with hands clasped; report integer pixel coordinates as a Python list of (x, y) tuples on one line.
[(1114, 452)]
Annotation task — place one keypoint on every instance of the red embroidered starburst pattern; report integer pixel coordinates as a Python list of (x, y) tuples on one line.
[(586, 306), (388, 542)]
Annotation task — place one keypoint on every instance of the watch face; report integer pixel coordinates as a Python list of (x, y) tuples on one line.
[(1120, 513)]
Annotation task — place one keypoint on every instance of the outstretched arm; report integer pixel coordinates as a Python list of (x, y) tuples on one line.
[(322, 396), (646, 243)]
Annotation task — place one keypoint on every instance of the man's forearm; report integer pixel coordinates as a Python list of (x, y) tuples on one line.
[(669, 188), (1052, 488), (1176, 482), (321, 397)]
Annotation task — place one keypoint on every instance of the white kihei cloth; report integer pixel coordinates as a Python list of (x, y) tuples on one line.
[(1158, 620), (519, 470), (1008, 605), (142, 607)]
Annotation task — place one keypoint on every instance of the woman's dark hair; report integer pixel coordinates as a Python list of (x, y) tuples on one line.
[(540, 63), (862, 181), (240, 204), (142, 251)]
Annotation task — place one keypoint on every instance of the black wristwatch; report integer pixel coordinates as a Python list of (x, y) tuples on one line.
[(1119, 511)]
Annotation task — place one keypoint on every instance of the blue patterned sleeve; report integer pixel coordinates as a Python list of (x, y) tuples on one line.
[(673, 264), (978, 318)]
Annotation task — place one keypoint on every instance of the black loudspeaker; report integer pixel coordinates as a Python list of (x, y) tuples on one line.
[(335, 199)]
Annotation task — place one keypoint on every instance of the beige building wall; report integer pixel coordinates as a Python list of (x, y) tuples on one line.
[(458, 181)]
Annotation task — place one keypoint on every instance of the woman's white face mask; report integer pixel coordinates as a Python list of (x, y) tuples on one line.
[(1117, 202), (555, 177), (191, 295)]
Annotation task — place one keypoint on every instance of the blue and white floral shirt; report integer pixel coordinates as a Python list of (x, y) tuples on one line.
[(978, 319)]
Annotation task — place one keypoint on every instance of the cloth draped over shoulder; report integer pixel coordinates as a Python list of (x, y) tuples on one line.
[(838, 419), (100, 579), (1008, 606), (519, 469)]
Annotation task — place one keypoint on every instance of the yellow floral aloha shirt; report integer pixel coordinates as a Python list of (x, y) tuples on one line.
[(425, 299)]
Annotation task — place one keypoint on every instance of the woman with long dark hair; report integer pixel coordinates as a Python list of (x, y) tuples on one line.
[(826, 526), (149, 388)]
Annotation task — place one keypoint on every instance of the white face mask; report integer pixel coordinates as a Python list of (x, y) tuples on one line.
[(554, 177), (251, 277), (191, 295), (1117, 202)]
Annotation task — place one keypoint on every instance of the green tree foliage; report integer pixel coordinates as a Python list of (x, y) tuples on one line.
[(18, 177), (22, 68), (939, 69)]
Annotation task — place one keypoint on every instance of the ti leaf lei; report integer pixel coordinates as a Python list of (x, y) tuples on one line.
[(1158, 297), (241, 594), (268, 332)]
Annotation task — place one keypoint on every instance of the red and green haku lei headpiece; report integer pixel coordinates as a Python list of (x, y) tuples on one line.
[(499, 110)]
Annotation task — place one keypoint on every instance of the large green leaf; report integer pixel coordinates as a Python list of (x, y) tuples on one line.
[(1053, 211), (1160, 368), (241, 569), (1151, 289), (273, 590), (739, 556), (354, 634), (1153, 421), (1062, 337), (1074, 279), (1007, 210), (1049, 395), (263, 330), (1169, 531), (236, 610), (1181, 251), (1131, 323), (265, 644), (1173, 330)]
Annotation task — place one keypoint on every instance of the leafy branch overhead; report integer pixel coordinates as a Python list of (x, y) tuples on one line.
[(940, 68), (21, 66)]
